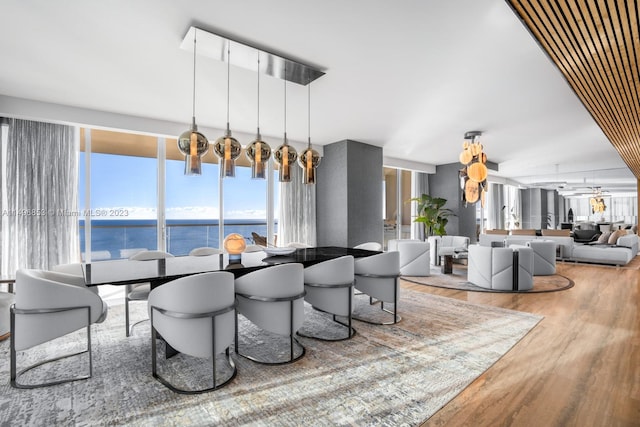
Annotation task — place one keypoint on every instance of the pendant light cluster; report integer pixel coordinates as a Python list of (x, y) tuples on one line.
[(597, 202), (194, 144), (473, 177)]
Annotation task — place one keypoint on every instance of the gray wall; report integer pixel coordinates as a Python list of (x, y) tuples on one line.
[(349, 195), (445, 183)]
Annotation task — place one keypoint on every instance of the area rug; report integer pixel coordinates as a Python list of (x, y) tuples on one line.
[(385, 375), (458, 280)]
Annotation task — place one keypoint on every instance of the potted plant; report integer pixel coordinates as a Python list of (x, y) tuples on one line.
[(432, 214)]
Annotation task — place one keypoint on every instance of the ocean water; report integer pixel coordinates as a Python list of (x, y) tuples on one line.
[(119, 238)]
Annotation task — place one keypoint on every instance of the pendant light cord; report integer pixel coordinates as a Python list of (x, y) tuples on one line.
[(309, 110), (193, 98), (258, 115), (285, 102), (228, 80)]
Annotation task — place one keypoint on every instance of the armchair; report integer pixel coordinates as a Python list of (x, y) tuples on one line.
[(329, 287), (377, 276), (498, 268), (272, 299), (49, 305), (139, 291), (414, 256), (447, 245), (195, 315)]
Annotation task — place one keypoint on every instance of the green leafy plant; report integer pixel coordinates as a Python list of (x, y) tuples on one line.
[(432, 214)]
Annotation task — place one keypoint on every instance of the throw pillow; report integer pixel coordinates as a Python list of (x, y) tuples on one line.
[(604, 238), (613, 239)]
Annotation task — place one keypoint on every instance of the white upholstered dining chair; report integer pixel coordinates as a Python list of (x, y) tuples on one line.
[(370, 246), (378, 277), (272, 299), (329, 287), (49, 305), (139, 291), (196, 316)]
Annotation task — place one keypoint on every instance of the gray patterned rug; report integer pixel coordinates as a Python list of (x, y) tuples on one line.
[(385, 375)]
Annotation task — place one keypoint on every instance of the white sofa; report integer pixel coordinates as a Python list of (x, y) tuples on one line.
[(414, 256), (447, 245), (624, 250), (493, 268)]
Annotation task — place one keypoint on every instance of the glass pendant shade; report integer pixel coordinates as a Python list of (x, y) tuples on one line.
[(228, 149), (309, 160), (193, 145), (285, 156), (258, 153)]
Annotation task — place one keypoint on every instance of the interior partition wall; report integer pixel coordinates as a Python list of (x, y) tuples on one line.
[(349, 194)]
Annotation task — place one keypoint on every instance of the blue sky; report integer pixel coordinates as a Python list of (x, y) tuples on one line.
[(130, 182)]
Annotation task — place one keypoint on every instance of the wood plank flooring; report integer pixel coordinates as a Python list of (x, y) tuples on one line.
[(579, 367)]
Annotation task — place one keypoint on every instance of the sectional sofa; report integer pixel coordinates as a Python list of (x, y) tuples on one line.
[(619, 253)]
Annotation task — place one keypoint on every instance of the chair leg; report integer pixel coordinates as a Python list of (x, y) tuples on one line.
[(396, 317), (292, 344), (215, 386), (351, 331), (126, 311), (15, 376)]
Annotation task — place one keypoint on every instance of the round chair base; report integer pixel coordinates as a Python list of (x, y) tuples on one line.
[(294, 358)]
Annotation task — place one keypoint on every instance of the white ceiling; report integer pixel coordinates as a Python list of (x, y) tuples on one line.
[(410, 76)]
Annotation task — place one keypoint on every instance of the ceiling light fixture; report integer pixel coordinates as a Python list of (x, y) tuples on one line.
[(192, 143), (309, 159), (285, 155), (473, 177), (258, 151), (597, 202), (227, 147)]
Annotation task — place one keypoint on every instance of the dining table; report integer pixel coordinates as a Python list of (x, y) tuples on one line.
[(159, 271)]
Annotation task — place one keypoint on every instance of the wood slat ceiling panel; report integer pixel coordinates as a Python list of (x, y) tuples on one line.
[(596, 46)]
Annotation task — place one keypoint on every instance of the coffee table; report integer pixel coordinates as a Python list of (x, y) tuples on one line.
[(447, 260)]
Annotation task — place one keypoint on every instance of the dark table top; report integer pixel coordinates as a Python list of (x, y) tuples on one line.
[(124, 271)]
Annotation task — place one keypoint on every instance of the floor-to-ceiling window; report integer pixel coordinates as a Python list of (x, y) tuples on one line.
[(136, 196), (121, 203), (245, 204), (397, 205), (191, 203)]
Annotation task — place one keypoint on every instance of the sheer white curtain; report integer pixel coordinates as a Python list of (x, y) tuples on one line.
[(40, 196), (496, 206), (297, 222), (419, 186)]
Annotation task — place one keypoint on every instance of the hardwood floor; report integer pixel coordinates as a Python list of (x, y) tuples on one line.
[(579, 367)]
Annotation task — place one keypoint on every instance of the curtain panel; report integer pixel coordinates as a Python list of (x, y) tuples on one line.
[(419, 186), (40, 210), (496, 206), (297, 222)]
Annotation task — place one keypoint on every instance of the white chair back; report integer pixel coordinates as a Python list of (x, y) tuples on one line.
[(39, 289), (336, 271), (200, 293), (280, 281), (205, 251)]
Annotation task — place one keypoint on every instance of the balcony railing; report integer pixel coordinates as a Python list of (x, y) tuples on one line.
[(121, 238)]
